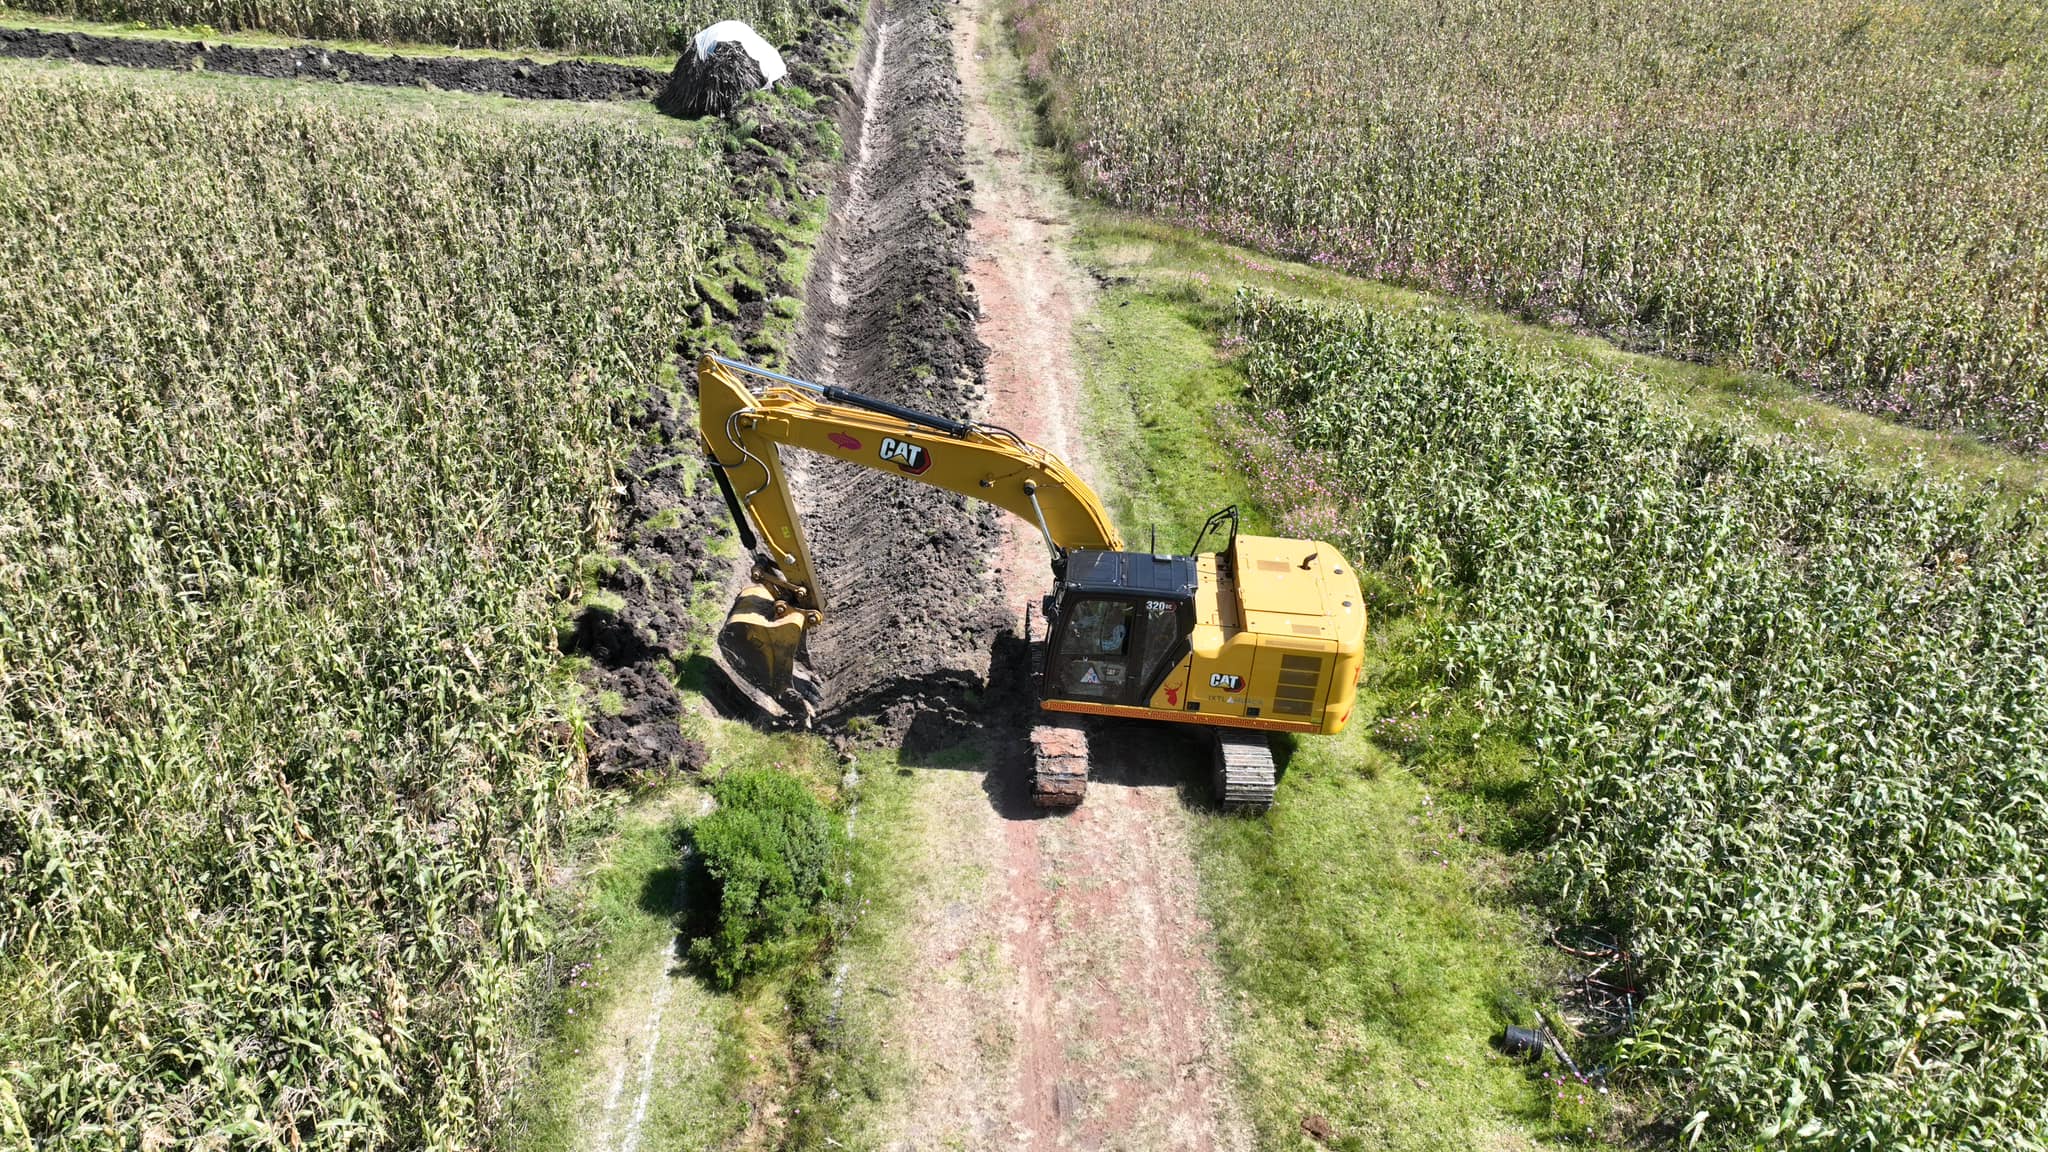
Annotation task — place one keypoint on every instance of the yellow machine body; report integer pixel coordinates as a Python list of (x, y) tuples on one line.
[(1277, 645)]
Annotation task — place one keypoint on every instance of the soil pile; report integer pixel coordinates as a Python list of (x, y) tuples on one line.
[(524, 79), (641, 647)]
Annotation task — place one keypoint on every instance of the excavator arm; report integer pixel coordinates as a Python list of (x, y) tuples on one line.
[(744, 429)]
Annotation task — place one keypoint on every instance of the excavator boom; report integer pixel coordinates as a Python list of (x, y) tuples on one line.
[(742, 430)]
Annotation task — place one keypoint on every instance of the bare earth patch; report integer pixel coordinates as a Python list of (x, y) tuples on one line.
[(1063, 993)]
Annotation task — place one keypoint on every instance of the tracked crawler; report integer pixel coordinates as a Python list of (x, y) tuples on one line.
[(1257, 635)]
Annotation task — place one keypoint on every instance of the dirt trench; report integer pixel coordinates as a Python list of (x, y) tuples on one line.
[(523, 79), (1061, 990), (910, 619)]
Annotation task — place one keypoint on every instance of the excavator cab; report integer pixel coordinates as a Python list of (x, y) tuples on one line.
[(1119, 625)]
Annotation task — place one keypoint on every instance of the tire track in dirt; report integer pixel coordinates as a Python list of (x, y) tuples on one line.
[(652, 1073), (1064, 994)]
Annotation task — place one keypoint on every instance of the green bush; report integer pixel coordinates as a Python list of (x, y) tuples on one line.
[(769, 850)]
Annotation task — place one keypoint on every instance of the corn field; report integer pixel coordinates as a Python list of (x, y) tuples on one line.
[(305, 415), (1852, 194), (625, 27), (1792, 716)]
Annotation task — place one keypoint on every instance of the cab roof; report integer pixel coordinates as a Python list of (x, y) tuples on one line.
[(1131, 573)]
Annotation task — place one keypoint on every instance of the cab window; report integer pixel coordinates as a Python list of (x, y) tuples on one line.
[(1161, 643), (1096, 649)]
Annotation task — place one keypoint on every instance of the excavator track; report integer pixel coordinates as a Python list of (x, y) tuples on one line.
[(1245, 774), (1059, 766)]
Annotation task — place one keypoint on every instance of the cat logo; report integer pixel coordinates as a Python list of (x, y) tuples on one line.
[(907, 456), (1226, 682)]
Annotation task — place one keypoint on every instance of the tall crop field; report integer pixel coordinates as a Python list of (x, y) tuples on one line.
[(626, 27), (305, 415), (1792, 716), (1854, 194)]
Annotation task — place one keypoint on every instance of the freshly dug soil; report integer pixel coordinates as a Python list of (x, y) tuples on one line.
[(525, 79), (909, 617), (668, 524)]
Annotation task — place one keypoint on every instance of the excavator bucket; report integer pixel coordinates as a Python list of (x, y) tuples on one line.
[(759, 642)]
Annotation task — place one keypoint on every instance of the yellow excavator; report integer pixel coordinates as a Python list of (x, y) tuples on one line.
[(1256, 635)]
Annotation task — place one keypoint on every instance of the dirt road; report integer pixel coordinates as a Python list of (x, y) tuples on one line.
[(1054, 987), (1063, 994)]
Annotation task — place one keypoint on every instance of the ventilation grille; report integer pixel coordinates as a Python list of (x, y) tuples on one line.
[(1301, 679)]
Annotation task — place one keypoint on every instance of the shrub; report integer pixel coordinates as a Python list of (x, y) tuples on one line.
[(769, 850)]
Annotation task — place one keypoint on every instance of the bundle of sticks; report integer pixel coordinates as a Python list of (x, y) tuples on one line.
[(712, 85)]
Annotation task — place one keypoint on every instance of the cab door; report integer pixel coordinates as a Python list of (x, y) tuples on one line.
[(1091, 651), (1116, 650)]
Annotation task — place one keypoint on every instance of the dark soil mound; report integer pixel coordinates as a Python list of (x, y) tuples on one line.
[(641, 650), (524, 79)]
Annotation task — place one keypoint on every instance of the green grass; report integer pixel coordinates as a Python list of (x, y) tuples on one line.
[(796, 1057), (1323, 908), (853, 1069), (618, 926), (1154, 390), (1370, 952), (725, 1055), (1374, 959)]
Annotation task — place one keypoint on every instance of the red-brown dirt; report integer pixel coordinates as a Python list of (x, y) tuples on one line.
[(1063, 994)]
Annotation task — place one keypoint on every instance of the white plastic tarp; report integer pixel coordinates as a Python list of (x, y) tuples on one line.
[(738, 31)]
